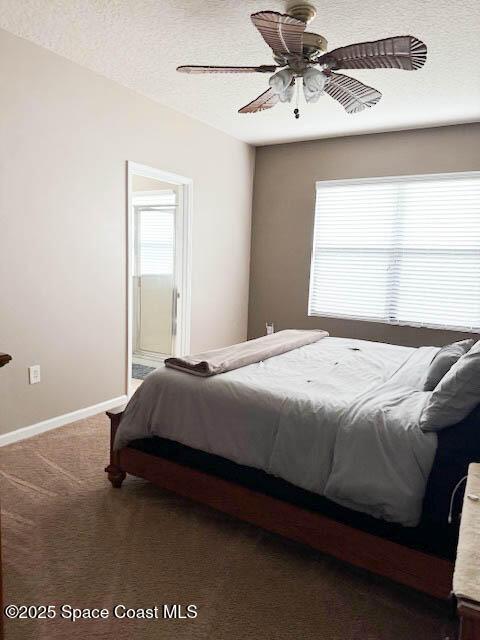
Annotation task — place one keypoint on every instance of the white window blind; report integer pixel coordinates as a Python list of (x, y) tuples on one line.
[(398, 250), (156, 238), (155, 213)]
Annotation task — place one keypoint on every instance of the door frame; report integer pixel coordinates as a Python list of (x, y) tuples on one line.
[(183, 257)]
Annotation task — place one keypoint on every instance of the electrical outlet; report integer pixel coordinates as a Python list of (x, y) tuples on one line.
[(34, 374)]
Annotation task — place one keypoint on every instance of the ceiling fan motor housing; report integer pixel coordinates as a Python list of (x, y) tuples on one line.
[(314, 46)]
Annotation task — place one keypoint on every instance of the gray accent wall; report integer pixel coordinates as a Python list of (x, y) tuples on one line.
[(283, 213)]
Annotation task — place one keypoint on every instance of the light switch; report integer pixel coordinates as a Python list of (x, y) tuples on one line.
[(34, 374)]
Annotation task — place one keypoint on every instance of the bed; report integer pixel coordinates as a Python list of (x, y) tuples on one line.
[(320, 444)]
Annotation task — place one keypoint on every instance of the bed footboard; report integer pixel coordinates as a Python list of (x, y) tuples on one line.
[(116, 474)]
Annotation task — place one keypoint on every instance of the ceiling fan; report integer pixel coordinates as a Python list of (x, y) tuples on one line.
[(301, 56)]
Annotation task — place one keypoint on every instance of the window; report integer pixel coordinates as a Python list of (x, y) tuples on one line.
[(155, 232), (398, 250), (156, 229)]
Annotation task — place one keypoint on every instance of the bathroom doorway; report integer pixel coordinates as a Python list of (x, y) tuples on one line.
[(159, 268)]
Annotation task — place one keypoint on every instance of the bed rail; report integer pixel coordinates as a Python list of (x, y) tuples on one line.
[(416, 569)]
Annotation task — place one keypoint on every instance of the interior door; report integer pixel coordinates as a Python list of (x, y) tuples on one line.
[(154, 279)]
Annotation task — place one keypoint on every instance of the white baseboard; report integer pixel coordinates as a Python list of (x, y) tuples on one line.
[(60, 421)]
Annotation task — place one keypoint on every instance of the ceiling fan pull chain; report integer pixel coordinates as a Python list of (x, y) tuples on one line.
[(296, 111)]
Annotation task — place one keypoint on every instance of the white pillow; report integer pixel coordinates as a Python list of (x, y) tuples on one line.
[(444, 360), (457, 394)]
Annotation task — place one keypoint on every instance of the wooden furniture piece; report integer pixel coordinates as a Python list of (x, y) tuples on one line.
[(424, 572), (466, 580), (4, 359)]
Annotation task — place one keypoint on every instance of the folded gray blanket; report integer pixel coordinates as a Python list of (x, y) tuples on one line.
[(217, 361)]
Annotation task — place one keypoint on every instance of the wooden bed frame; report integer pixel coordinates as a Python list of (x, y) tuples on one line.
[(416, 569)]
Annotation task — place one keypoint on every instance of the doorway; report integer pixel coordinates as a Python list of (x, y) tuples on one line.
[(158, 268)]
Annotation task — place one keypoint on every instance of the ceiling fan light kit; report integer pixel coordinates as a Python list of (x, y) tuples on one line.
[(302, 57), (281, 82)]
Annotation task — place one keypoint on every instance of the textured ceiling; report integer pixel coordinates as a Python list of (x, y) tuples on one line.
[(139, 43)]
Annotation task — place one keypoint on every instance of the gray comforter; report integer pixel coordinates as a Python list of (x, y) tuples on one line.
[(338, 417)]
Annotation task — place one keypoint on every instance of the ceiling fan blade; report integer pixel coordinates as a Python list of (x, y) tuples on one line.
[(352, 94), (398, 52), (266, 100), (206, 69), (282, 33)]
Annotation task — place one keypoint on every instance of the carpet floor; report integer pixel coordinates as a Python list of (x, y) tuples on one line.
[(70, 538)]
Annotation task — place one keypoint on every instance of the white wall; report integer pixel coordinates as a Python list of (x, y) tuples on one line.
[(65, 136)]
